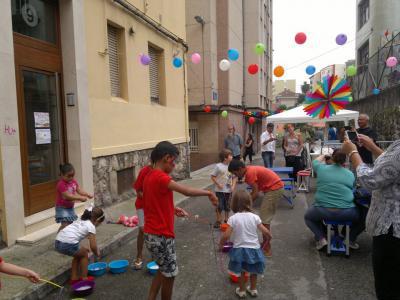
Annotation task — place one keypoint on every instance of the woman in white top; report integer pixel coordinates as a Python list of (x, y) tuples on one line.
[(68, 239), (246, 254)]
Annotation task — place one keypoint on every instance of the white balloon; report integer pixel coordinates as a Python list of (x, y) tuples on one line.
[(224, 65)]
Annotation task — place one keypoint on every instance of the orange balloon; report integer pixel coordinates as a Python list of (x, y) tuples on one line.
[(279, 71)]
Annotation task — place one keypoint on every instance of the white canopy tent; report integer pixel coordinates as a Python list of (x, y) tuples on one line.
[(298, 115)]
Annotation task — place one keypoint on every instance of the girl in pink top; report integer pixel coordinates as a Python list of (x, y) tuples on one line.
[(68, 192)]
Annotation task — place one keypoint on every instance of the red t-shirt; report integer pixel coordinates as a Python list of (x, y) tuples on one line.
[(158, 204), (265, 179), (138, 185)]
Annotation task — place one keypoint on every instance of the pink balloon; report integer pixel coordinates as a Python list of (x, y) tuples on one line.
[(196, 58), (300, 38), (391, 62)]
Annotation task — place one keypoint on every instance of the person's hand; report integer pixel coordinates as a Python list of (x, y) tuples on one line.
[(366, 141), (83, 199), (90, 196), (348, 146), (180, 212), (213, 199), (98, 254), (32, 276)]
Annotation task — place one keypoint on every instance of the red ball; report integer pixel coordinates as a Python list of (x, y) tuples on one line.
[(253, 69), (300, 38), (207, 109), (251, 120)]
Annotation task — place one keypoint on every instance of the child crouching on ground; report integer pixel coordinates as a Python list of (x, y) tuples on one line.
[(224, 185), (159, 214), (68, 239), (246, 255)]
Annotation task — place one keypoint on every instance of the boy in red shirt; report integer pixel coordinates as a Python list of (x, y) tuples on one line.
[(159, 214), (138, 186), (263, 180)]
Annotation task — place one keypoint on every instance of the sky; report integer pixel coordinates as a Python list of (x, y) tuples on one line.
[(321, 21)]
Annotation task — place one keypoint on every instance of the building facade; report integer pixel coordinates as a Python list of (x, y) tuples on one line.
[(336, 69), (73, 90), (213, 27)]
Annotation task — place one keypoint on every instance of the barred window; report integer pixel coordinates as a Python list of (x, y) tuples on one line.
[(194, 139), (154, 70), (113, 58)]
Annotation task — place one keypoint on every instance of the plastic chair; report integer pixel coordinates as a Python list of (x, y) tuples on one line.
[(336, 244)]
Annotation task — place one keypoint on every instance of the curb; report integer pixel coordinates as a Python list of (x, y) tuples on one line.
[(40, 291)]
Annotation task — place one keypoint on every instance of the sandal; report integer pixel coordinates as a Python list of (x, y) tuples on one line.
[(252, 293), (240, 294), (138, 264), (217, 224)]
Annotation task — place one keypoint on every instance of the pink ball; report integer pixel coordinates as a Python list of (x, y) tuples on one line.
[(391, 62), (196, 58)]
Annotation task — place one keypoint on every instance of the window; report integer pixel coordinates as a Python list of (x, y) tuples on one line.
[(156, 74), (114, 60), (194, 139), (362, 57), (36, 19), (124, 180), (363, 13)]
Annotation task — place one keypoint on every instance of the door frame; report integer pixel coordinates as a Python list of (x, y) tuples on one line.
[(31, 54)]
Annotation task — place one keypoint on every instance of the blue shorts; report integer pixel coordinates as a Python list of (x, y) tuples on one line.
[(66, 248), (65, 215), (224, 201)]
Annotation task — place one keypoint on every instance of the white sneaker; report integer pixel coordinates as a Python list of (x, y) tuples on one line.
[(240, 294), (354, 245), (252, 293), (321, 244)]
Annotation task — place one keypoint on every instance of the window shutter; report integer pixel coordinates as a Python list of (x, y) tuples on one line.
[(113, 61), (154, 76)]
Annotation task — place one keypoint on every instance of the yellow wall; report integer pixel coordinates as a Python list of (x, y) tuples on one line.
[(133, 123)]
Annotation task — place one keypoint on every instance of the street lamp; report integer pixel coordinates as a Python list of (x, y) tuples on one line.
[(201, 21)]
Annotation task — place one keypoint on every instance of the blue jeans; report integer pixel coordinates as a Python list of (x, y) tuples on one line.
[(268, 158), (316, 214)]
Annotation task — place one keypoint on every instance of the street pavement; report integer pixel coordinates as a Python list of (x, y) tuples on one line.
[(296, 270)]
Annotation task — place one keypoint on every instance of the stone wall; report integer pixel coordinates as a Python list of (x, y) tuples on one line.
[(105, 170), (384, 112)]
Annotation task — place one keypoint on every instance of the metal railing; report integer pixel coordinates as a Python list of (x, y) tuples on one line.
[(374, 73)]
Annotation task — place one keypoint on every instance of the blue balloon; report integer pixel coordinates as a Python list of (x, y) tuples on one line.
[(310, 70), (177, 62), (233, 54), (376, 91)]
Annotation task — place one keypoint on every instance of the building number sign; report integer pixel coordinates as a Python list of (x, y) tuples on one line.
[(30, 15)]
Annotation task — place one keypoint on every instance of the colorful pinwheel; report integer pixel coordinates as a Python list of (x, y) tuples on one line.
[(330, 96)]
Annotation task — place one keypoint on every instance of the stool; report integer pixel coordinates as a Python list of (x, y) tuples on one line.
[(303, 180), (336, 243)]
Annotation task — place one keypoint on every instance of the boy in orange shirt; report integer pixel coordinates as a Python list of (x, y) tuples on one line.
[(262, 180)]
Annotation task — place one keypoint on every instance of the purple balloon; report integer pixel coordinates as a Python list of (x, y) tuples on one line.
[(341, 39), (145, 59)]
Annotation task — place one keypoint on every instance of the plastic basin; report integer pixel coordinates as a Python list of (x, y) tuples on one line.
[(227, 246), (97, 269), (152, 267), (118, 266), (83, 288)]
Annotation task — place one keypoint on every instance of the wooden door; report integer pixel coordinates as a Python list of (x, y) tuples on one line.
[(41, 111)]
